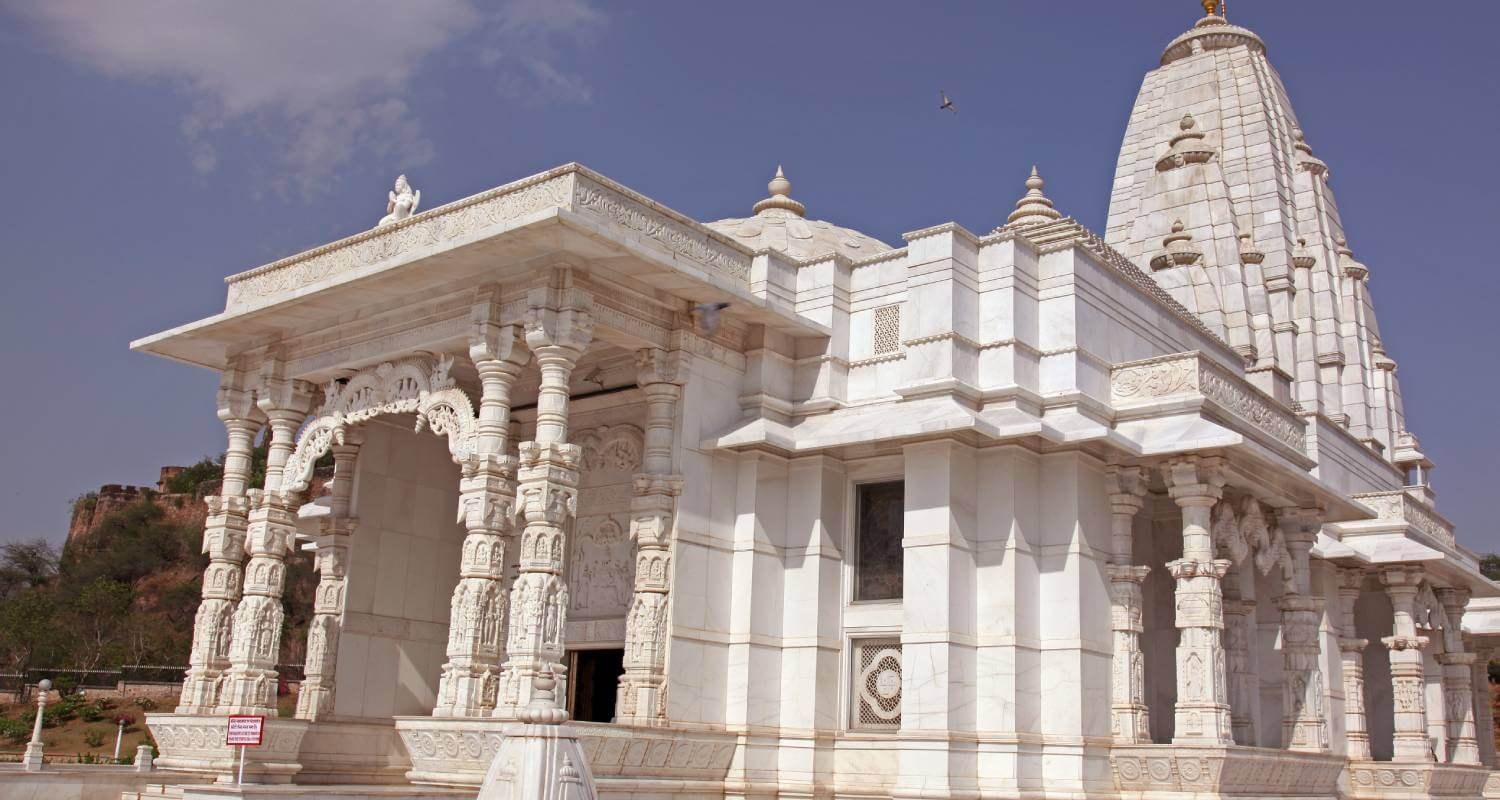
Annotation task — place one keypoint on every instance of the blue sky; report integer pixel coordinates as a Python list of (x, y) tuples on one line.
[(150, 148)]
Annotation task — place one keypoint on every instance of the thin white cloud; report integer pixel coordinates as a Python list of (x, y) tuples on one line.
[(326, 81)]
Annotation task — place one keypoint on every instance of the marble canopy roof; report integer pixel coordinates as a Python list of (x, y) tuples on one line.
[(567, 214)]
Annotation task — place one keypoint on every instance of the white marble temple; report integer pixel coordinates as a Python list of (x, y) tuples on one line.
[(1023, 513)]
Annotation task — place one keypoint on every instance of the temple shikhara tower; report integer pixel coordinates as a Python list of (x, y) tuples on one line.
[(625, 504)]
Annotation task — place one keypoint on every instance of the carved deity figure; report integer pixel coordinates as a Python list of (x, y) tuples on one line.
[(403, 202)]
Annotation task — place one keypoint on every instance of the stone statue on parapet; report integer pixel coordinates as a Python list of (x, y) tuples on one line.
[(402, 204)]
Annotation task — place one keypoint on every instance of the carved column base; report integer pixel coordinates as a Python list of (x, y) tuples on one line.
[(1409, 740), (1130, 719), (200, 691), (1356, 730), (1458, 699), (1202, 711), (467, 690)]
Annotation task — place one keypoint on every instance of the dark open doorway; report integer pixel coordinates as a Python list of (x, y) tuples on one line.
[(593, 677)]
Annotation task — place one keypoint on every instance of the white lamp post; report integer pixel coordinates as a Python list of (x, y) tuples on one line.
[(119, 737), (33, 757)]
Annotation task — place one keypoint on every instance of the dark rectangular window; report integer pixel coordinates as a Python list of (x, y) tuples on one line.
[(878, 558)]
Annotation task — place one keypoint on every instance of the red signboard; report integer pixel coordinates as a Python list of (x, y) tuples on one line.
[(245, 730)]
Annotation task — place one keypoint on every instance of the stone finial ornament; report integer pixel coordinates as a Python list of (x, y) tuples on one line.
[(1305, 157), (403, 202), (1034, 208), (1302, 255), (1179, 249), (1187, 147), (1249, 253), (781, 197), (1350, 266)]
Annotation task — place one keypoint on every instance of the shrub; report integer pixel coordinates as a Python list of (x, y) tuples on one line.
[(15, 730), (93, 738), (145, 703), (91, 713)]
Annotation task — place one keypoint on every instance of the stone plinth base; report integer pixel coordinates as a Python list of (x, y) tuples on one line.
[(539, 762), (195, 743), (348, 751), (1492, 785), (1154, 770), (1393, 779), (456, 752)]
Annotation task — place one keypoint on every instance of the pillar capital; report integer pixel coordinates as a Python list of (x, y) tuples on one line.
[(1352, 580), (1128, 573), (1401, 577), (655, 366), (1195, 480), (1397, 644), (1184, 568), (1456, 659), (1454, 600), (558, 321), (1126, 487), (1300, 526)]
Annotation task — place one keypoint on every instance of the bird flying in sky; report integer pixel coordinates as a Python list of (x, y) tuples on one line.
[(947, 104)]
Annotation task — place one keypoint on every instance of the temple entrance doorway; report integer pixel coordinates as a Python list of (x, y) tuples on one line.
[(594, 676)]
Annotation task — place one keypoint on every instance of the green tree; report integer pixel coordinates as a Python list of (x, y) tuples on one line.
[(28, 634), (97, 620), (207, 470), (1490, 566), (26, 565)]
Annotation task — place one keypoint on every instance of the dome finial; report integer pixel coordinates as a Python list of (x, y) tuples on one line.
[(781, 196), (1210, 8), (1034, 208)]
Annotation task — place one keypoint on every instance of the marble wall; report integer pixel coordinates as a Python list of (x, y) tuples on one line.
[(403, 564)]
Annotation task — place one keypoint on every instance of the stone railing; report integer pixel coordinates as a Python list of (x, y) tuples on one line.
[(1190, 376), (1399, 506), (571, 188)]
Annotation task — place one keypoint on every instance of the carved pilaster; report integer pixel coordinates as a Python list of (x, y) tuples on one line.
[(224, 543), (652, 511), (1244, 689), (250, 684), (331, 558), (469, 685), (1202, 710), (1302, 725), (1407, 680), (1129, 714), (558, 329), (1483, 704), (1352, 658), (1458, 690)]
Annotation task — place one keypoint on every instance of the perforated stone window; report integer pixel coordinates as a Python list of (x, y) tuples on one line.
[(877, 684), (887, 330)]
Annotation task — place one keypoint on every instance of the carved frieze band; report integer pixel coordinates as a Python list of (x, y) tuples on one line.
[(1402, 507), (1187, 374), (570, 187)]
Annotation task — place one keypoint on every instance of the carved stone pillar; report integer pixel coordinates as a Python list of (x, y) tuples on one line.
[(651, 514), (1202, 710), (1484, 714), (1458, 689), (476, 623), (1244, 683), (331, 558), (1302, 725), (1407, 681), (224, 543), (558, 329), (1129, 713), (250, 684), (1352, 655)]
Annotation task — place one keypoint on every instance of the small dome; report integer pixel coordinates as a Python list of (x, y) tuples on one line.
[(780, 223)]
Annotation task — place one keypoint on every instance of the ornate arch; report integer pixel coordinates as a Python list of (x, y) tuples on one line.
[(417, 385)]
